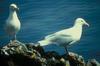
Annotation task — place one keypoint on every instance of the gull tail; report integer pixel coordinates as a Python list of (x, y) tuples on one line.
[(44, 42)]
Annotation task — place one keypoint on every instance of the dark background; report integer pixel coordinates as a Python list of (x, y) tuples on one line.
[(42, 17)]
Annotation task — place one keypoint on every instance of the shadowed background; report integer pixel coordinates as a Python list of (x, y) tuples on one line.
[(42, 17)]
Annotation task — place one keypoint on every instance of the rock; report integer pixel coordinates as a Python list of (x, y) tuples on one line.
[(17, 53), (74, 59), (64, 62), (14, 47), (93, 62), (38, 48), (22, 60), (52, 61), (51, 54)]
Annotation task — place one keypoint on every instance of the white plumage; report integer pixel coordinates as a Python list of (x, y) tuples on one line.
[(67, 36), (12, 23)]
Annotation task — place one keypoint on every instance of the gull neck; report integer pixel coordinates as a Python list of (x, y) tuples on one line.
[(13, 14)]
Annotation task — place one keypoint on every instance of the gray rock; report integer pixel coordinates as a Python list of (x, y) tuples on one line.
[(14, 47), (24, 53), (93, 62), (75, 59)]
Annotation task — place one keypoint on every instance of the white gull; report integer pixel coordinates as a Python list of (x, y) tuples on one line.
[(12, 23), (67, 36)]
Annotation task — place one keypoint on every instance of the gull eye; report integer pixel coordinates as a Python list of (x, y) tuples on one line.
[(81, 20)]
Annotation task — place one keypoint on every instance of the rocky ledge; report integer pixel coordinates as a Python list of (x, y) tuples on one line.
[(17, 53)]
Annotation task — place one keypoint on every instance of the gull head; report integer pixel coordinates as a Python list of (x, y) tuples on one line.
[(14, 7), (81, 21)]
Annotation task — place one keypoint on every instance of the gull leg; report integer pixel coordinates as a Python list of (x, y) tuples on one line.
[(67, 53), (15, 37), (66, 50), (10, 39)]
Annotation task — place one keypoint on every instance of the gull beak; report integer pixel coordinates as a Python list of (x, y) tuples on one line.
[(86, 24), (17, 9)]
